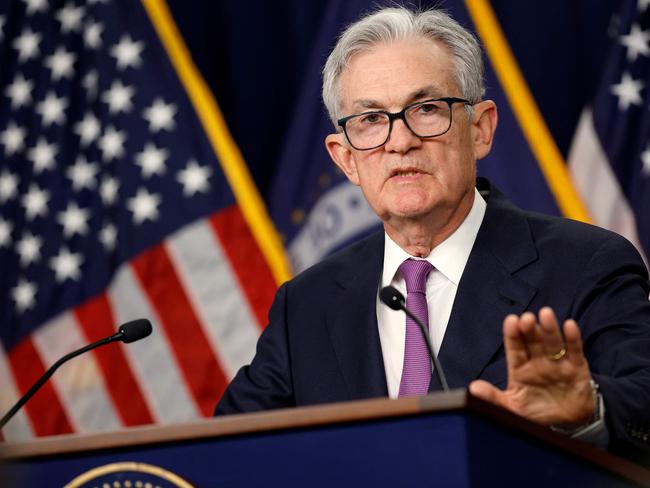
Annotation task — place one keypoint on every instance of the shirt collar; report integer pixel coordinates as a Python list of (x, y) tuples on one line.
[(450, 256)]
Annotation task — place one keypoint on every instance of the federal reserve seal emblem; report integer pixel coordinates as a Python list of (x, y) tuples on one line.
[(128, 475)]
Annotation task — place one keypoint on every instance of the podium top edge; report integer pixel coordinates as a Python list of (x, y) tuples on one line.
[(238, 424)]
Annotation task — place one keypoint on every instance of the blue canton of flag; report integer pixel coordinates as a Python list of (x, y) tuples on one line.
[(94, 163), (102, 159)]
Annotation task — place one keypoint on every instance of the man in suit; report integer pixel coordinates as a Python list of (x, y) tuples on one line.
[(545, 317)]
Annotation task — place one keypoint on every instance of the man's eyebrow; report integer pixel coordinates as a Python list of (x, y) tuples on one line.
[(367, 104), (425, 92)]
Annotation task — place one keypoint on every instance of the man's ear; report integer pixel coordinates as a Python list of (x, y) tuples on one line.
[(342, 156), (484, 124)]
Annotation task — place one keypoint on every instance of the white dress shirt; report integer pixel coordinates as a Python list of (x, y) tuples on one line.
[(448, 259)]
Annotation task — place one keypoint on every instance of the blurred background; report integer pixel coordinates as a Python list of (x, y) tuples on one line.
[(129, 188), (259, 54)]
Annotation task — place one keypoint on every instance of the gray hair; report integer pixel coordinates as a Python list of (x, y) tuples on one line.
[(399, 23)]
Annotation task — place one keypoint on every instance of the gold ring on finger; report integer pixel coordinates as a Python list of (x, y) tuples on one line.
[(558, 355)]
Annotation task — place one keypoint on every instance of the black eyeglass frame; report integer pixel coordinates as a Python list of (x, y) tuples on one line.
[(402, 115)]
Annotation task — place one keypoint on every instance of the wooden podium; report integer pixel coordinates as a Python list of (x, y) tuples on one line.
[(446, 440)]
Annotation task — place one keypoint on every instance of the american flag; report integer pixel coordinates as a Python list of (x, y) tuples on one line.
[(610, 155), (114, 206)]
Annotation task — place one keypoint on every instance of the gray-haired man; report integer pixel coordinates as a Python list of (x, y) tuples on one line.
[(405, 93)]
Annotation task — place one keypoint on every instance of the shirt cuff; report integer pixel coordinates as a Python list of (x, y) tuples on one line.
[(595, 432)]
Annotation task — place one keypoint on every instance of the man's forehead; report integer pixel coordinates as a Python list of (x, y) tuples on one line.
[(397, 73)]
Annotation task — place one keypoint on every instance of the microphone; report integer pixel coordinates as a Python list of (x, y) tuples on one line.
[(130, 332), (392, 298)]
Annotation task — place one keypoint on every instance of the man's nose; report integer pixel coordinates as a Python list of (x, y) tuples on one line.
[(401, 138)]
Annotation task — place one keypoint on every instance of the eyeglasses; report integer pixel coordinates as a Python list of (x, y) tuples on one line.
[(370, 130)]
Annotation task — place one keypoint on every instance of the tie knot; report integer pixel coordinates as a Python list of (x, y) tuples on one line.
[(415, 272)]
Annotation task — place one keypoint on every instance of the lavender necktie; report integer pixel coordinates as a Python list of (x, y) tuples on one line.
[(416, 373)]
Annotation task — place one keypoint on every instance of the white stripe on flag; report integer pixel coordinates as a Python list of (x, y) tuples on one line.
[(215, 294), (598, 184), (152, 360), (18, 428), (79, 382)]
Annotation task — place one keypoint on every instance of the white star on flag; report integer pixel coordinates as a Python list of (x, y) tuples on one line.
[(118, 98), (20, 91), (66, 265), (27, 45), (127, 53), (8, 186), (70, 17), (194, 178), (42, 155), (61, 64), (13, 138), (29, 249), (160, 115), (628, 91), (35, 202), (642, 5), (108, 190), (112, 144), (87, 129), (92, 35), (89, 82), (144, 206), (52, 109), (74, 220), (5, 232), (23, 294), (152, 160), (82, 174), (33, 6), (108, 237), (636, 42)]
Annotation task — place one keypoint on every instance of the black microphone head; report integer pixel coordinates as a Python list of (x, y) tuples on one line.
[(391, 297), (135, 330)]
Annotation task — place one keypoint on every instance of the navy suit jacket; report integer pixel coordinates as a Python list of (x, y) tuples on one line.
[(322, 342)]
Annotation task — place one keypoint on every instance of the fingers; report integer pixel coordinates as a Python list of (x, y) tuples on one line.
[(573, 339), (527, 337), (488, 392), (522, 340), (516, 352), (552, 340), (531, 334)]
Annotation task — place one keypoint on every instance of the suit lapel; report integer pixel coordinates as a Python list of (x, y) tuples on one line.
[(352, 321), (488, 291)]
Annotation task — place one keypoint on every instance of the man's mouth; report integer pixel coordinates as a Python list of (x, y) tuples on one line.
[(405, 172)]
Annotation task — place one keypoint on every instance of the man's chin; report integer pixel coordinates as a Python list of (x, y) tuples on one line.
[(411, 212)]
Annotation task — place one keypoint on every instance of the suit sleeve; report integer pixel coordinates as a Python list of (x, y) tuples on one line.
[(266, 383), (613, 311)]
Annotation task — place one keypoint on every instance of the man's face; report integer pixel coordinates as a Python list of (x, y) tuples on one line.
[(408, 177)]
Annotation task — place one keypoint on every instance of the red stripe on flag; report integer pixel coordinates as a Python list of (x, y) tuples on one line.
[(202, 373), (248, 262), (45, 409), (96, 320)]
